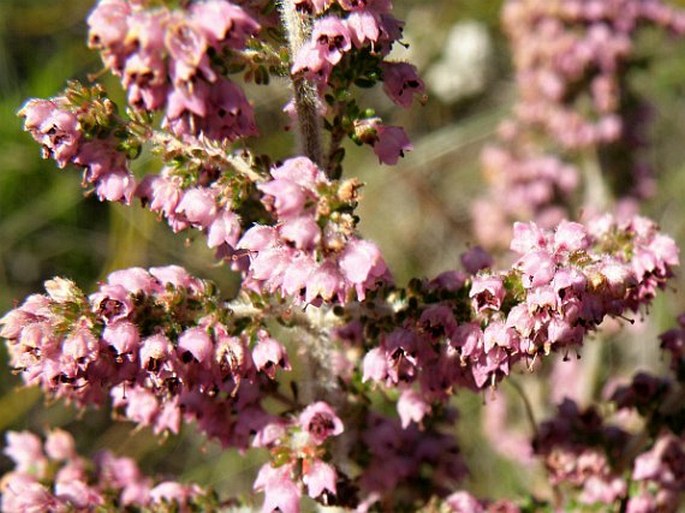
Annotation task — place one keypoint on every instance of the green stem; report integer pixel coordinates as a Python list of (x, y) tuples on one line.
[(528, 407)]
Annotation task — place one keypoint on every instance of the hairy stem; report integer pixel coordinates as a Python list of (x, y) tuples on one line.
[(297, 28), (312, 327)]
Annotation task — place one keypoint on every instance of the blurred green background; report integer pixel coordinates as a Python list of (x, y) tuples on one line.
[(418, 212)]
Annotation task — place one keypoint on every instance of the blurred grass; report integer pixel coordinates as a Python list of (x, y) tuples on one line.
[(417, 211)]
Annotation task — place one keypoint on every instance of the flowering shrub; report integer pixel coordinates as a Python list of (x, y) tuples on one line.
[(342, 376)]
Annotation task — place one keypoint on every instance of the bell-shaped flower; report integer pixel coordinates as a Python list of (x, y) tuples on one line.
[(320, 422)]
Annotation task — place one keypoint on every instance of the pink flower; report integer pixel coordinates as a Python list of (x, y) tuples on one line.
[(225, 229), (198, 205), (311, 61), (498, 334), (59, 445), (134, 279), (280, 492), (26, 450), (78, 495), (469, 337), (527, 237), (24, 494), (223, 22), (464, 502), (320, 421), (412, 407), (146, 30), (324, 283), (570, 237), (538, 267), (80, 345), (363, 27), (401, 82), (136, 494), (195, 344), (643, 503), (476, 259), (317, 6), (391, 143), (119, 472), (170, 491), (141, 404), (169, 417), (300, 170), (160, 192), (448, 280), (487, 292), (116, 187), (664, 463), (605, 490), (57, 130), (184, 100), (361, 262), (289, 197), (230, 114), (303, 231), (270, 264), (187, 47), (357, 5), (155, 350), (332, 38), (177, 276), (123, 337), (319, 477), (268, 354), (108, 23), (258, 238), (375, 365), (296, 275)]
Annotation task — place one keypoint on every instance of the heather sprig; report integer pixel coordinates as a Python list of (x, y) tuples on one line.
[(50, 476), (342, 378), (577, 134)]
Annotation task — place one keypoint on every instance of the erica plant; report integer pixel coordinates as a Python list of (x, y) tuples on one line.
[(338, 375)]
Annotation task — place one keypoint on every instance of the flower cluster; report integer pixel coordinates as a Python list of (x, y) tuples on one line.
[(79, 128), (164, 60), (348, 45), (311, 253), (158, 343), (630, 456), (298, 458), (578, 449), (660, 474), (164, 349), (51, 476), (400, 457), (558, 45), (459, 332), (638, 462), (73, 129), (204, 202), (605, 465), (574, 115)]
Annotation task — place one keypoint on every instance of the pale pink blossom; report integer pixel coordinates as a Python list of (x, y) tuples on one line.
[(412, 407), (319, 477), (320, 422), (280, 492)]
